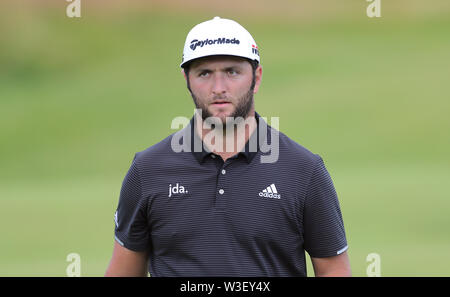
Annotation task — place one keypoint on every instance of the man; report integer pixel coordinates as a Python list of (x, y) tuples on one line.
[(224, 210)]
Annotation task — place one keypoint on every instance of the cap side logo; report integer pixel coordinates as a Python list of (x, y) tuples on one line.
[(255, 49)]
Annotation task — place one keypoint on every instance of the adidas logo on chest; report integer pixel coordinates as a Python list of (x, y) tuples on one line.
[(270, 192)]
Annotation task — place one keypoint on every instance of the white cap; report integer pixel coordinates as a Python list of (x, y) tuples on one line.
[(219, 37)]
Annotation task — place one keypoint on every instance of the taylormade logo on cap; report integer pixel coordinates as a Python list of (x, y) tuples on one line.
[(195, 43), (219, 37)]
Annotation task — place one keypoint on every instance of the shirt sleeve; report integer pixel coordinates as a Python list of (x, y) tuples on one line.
[(131, 228), (324, 234)]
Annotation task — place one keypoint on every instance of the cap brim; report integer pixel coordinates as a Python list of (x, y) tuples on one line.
[(185, 63)]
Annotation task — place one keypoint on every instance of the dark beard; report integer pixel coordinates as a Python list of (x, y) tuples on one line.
[(242, 109)]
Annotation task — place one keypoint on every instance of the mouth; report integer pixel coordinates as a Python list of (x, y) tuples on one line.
[(220, 103)]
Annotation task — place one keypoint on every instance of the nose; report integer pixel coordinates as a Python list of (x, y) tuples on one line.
[(219, 84)]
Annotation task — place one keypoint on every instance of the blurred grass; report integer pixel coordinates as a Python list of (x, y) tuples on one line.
[(79, 97)]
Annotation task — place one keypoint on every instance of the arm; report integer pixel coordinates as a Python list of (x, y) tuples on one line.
[(324, 233), (125, 262), (130, 254), (332, 266)]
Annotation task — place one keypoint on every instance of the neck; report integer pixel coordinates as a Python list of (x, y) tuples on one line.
[(226, 139)]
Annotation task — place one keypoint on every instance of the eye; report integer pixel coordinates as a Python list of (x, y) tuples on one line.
[(203, 73), (232, 72)]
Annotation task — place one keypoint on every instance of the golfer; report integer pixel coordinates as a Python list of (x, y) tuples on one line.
[(227, 195)]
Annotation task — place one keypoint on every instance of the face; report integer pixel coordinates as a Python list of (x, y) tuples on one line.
[(223, 86)]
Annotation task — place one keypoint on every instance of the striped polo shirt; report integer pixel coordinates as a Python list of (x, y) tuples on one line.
[(197, 215)]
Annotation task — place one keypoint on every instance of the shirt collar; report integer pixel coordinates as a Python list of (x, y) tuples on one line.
[(249, 151)]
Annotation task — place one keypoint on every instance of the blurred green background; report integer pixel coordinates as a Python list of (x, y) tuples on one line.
[(79, 96)]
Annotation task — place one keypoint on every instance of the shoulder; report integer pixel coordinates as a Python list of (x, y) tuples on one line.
[(160, 149), (163, 154), (294, 152)]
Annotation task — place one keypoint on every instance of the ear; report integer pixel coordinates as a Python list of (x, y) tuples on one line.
[(258, 78), (186, 79)]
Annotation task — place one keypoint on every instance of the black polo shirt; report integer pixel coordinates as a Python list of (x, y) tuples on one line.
[(242, 217)]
